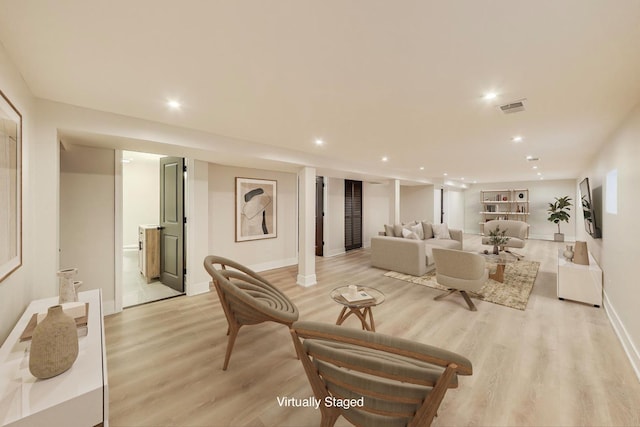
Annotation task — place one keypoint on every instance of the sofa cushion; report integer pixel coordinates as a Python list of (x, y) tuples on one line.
[(408, 234), (427, 229), (445, 243), (388, 230), (397, 230), (441, 231), (418, 230)]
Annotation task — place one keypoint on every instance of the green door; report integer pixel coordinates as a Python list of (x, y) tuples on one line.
[(172, 222)]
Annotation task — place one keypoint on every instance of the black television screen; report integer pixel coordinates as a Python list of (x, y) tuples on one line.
[(588, 211)]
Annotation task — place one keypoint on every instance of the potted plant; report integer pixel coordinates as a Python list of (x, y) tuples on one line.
[(559, 212), (498, 239)]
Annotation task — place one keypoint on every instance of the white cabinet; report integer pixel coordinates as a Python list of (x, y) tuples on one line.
[(77, 397), (579, 282)]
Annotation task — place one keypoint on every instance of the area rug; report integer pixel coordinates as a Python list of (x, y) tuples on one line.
[(514, 292)]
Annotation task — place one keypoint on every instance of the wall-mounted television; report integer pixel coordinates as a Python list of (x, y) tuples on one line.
[(588, 211)]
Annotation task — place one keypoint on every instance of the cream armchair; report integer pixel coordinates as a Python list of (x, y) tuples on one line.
[(516, 231), (460, 272)]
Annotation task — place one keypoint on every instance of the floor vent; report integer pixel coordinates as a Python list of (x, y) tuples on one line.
[(513, 107)]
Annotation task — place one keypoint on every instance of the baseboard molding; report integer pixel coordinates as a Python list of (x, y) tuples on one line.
[(627, 343), (197, 288), (108, 307), (334, 252), (306, 281), (270, 265)]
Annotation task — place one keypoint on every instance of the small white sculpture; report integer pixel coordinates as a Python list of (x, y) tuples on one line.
[(68, 287)]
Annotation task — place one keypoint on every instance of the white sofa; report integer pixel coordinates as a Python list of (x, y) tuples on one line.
[(410, 256)]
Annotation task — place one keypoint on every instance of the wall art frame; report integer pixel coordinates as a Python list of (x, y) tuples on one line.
[(256, 209), (10, 187)]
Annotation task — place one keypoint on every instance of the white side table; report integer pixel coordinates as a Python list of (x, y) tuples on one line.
[(77, 397)]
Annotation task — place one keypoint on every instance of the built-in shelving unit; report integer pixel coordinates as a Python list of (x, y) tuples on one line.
[(504, 204)]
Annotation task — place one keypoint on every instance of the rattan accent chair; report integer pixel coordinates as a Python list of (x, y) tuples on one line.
[(399, 382), (247, 298)]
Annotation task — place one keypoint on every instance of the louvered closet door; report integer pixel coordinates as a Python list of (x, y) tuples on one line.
[(352, 214)]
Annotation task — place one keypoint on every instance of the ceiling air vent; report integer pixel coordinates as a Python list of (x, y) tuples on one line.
[(513, 107)]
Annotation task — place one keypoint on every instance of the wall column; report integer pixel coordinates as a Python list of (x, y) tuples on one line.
[(394, 202), (306, 227)]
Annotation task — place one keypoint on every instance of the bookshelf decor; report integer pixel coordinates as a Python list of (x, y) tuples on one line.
[(510, 204)]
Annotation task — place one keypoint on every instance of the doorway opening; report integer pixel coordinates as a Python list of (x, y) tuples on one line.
[(152, 227)]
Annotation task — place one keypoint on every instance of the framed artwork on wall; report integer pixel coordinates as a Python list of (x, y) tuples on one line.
[(10, 187), (256, 209)]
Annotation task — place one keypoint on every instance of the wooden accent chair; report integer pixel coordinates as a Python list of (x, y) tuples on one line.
[(460, 272), (397, 381), (247, 298)]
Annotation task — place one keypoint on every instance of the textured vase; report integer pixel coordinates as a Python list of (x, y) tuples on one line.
[(496, 250), (580, 254), (568, 253), (68, 288), (54, 346)]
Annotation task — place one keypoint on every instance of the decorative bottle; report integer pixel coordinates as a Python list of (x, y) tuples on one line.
[(68, 287), (54, 345)]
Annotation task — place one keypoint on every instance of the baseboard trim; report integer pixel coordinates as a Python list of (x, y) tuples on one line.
[(270, 265), (627, 343), (197, 288), (334, 252), (306, 281)]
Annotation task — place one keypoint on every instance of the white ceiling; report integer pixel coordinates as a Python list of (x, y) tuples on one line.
[(372, 78)]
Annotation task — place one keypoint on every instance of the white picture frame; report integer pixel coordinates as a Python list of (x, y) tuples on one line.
[(256, 209)]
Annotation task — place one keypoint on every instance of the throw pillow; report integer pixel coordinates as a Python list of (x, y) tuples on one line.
[(388, 230), (418, 230), (397, 230), (428, 230), (441, 231), (408, 234)]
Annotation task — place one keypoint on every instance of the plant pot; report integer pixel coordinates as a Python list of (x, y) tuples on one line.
[(558, 237)]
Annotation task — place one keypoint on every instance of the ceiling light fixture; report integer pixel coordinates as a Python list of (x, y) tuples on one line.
[(173, 104), (462, 179), (489, 96), (539, 173), (535, 167), (319, 142), (516, 139), (385, 159), (445, 174), (421, 168)]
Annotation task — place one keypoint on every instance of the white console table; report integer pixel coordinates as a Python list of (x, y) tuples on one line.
[(77, 397), (579, 282)]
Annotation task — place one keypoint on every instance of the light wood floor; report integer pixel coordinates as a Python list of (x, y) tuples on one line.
[(558, 363)]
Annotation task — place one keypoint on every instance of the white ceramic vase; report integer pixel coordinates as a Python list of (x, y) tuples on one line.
[(68, 287)]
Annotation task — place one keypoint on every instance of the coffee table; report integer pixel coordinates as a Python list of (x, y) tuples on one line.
[(501, 260), (361, 310)]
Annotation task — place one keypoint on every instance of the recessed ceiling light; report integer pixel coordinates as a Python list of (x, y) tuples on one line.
[(445, 174), (475, 182), (489, 96), (539, 173), (385, 158), (421, 168), (517, 138), (173, 104), (319, 142), (541, 178), (535, 167), (462, 179)]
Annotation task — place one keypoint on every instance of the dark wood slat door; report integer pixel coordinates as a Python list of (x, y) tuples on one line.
[(319, 216), (172, 222), (352, 214)]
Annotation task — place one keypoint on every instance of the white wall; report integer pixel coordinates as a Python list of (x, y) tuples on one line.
[(87, 218), (416, 203), (18, 289), (140, 195), (375, 210), (334, 217), (617, 251), (541, 193), (257, 254)]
